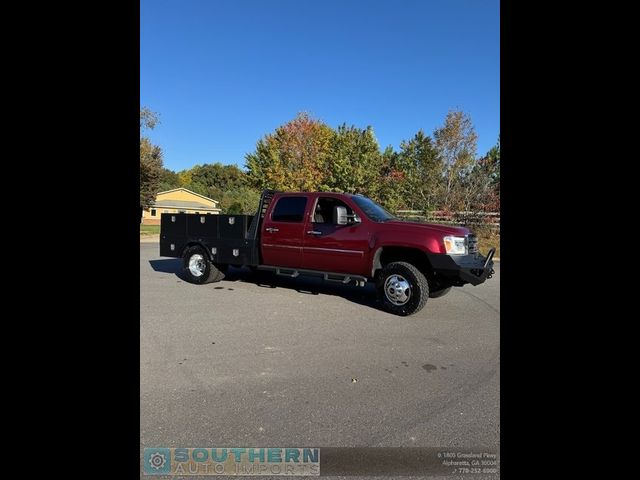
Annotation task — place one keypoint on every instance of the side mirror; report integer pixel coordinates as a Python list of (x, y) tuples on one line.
[(342, 218), (340, 214)]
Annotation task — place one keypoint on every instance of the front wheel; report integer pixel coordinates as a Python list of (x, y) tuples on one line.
[(197, 267), (402, 288)]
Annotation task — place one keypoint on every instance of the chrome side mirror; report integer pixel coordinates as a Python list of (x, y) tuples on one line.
[(340, 214)]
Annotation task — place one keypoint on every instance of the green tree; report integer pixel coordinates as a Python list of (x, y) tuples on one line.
[(168, 180), (200, 188), (456, 144), (227, 184), (355, 162), (150, 171), (217, 178), (294, 157), (150, 161), (240, 200), (422, 167)]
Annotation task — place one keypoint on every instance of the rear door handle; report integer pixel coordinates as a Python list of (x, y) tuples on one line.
[(272, 229), (314, 232)]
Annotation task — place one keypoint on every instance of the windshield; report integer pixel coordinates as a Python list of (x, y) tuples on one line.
[(371, 209)]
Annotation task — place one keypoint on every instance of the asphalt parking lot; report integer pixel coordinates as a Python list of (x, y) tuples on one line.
[(302, 363)]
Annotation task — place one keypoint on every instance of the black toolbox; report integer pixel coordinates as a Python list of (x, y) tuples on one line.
[(224, 236)]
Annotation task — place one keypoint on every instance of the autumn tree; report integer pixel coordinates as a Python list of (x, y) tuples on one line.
[(150, 161), (391, 182), (294, 158), (482, 187), (491, 164), (148, 119)]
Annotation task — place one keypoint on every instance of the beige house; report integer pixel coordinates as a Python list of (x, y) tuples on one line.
[(179, 200)]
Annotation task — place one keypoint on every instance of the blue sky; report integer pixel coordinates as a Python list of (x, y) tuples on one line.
[(224, 73)]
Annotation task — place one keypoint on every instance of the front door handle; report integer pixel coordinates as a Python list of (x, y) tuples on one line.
[(272, 229), (314, 232)]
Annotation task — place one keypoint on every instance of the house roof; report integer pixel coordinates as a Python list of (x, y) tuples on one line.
[(182, 204), (191, 192)]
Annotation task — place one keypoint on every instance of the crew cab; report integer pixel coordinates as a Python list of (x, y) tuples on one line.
[(339, 237)]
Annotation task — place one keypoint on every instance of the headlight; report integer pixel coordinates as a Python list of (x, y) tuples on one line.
[(455, 245)]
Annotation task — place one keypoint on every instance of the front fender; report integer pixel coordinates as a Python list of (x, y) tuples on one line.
[(416, 253)]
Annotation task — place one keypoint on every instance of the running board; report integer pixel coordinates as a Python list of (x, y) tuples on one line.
[(343, 278)]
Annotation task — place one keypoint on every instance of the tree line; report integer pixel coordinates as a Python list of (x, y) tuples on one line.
[(441, 171)]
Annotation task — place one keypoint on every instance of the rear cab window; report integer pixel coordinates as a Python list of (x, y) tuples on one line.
[(289, 209)]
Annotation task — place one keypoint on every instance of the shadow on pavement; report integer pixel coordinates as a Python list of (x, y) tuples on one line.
[(169, 265), (304, 285)]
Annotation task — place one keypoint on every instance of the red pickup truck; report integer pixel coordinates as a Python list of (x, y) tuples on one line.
[(339, 237)]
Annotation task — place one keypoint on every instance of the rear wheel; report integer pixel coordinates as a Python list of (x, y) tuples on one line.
[(197, 267), (402, 288)]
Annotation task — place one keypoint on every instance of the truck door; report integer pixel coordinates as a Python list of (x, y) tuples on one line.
[(282, 231), (331, 247)]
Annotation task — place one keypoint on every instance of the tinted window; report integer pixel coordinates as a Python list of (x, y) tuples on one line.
[(289, 209), (371, 209)]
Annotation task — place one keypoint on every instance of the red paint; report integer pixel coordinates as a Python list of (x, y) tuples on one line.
[(343, 248)]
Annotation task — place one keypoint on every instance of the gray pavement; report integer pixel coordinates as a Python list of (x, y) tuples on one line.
[(237, 363)]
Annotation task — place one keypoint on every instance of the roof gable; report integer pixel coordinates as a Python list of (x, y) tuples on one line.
[(182, 204), (182, 189)]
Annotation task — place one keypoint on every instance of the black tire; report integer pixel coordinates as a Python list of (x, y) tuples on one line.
[(439, 293), (417, 292), (210, 273)]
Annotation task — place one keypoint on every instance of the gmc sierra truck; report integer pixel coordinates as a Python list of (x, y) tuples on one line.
[(339, 237)]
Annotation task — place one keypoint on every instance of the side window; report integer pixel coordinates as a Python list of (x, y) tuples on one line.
[(289, 209), (325, 210), (153, 212)]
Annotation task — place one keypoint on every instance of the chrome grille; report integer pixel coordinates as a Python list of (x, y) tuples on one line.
[(472, 244)]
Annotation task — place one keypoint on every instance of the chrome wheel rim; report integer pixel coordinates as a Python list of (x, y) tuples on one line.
[(397, 289), (197, 265)]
